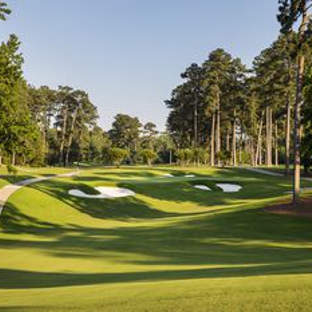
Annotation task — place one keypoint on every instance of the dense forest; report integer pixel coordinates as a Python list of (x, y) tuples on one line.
[(223, 113)]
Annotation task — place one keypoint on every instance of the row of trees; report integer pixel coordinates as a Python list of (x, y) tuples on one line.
[(222, 110), (226, 108), (41, 126)]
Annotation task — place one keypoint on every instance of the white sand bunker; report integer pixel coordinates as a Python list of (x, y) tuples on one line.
[(202, 187), (168, 175), (190, 176), (105, 192), (229, 188)]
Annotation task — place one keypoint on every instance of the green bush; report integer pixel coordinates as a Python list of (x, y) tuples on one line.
[(11, 170), (246, 158), (184, 156), (117, 155), (200, 156), (224, 157), (149, 156)]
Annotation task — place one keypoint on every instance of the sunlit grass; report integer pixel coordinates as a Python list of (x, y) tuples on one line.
[(170, 248)]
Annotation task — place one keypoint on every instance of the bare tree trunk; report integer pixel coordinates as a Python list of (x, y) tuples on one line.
[(195, 123), (218, 132), (259, 142), (267, 132), (297, 108), (271, 133), (13, 158), (287, 135), (228, 140), (297, 129), (261, 153), (62, 143), (212, 141), (268, 137), (71, 136), (276, 145), (234, 156), (241, 144), (252, 152)]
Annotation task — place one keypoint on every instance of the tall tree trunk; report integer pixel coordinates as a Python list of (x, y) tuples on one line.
[(287, 135), (71, 136), (259, 142), (228, 140), (212, 141), (271, 134), (261, 152), (297, 108), (218, 131), (195, 122), (234, 156), (268, 137), (276, 145), (297, 130), (267, 131), (241, 144), (63, 133), (252, 152), (13, 158)]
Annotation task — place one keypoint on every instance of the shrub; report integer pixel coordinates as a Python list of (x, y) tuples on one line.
[(11, 170), (118, 155), (200, 156), (184, 156), (149, 156), (224, 157), (246, 158)]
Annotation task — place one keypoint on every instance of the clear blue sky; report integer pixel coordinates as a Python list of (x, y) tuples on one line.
[(128, 54)]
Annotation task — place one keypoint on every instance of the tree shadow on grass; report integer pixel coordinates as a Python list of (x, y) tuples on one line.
[(234, 242), (133, 208), (184, 191), (11, 179), (240, 243), (17, 279), (122, 209), (14, 221)]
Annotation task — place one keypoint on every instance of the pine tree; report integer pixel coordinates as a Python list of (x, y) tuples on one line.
[(290, 12)]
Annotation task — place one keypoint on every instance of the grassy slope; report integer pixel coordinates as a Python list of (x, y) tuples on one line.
[(28, 173), (171, 248)]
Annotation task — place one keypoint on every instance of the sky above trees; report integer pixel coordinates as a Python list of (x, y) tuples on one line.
[(127, 53)]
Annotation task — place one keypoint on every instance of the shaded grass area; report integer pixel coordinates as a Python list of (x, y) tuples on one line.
[(170, 248), (24, 173)]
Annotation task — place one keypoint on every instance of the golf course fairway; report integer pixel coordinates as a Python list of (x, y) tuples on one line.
[(171, 247)]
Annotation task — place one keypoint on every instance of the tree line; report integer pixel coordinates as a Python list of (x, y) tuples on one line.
[(222, 113), (45, 126), (259, 115)]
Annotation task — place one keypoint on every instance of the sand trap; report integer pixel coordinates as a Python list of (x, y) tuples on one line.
[(168, 175), (202, 187), (190, 176), (105, 192), (229, 188)]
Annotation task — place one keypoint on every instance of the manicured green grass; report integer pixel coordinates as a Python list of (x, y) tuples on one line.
[(170, 248), (24, 173)]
